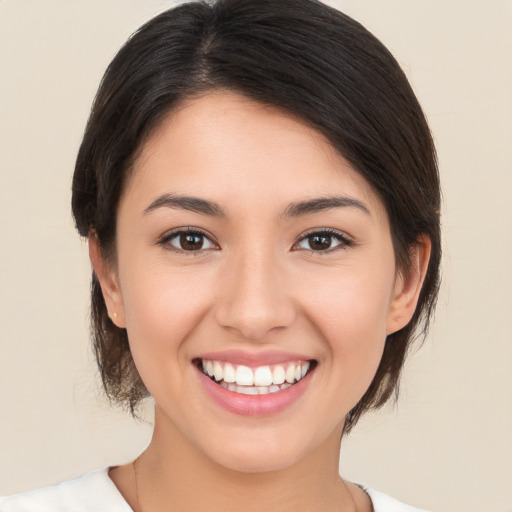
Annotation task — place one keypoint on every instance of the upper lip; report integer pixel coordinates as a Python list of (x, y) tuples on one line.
[(240, 357)]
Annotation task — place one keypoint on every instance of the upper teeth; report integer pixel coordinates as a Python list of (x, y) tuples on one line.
[(259, 376)]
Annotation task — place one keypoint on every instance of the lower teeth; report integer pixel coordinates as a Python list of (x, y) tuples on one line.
[(254, 390)]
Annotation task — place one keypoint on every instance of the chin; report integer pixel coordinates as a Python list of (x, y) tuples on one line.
[(256, 461), (261, 453)]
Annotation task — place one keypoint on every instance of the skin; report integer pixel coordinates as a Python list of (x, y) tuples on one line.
[(257, 285)]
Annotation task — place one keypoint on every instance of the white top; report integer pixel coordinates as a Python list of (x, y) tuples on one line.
[(96, 492)]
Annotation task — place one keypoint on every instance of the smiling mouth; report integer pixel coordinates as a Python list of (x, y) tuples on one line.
[(261, 380)]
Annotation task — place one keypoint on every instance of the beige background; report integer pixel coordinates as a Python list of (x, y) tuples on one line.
[(448, 445)]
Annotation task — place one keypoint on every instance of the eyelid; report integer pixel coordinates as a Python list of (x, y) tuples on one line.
[(344, 239), (169, 235)]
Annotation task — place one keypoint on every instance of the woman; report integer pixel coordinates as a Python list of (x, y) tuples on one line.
[(259, 190)]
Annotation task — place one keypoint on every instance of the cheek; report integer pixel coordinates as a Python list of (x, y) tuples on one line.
[(353, 302), (162, 309), (351, 313)]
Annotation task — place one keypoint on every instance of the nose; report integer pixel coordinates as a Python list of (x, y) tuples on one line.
[(255, 300)]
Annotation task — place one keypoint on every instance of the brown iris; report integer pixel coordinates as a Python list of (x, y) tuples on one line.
[(320, 242), (191, 241)]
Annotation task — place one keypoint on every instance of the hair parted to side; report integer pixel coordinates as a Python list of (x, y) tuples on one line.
[(303, 56)]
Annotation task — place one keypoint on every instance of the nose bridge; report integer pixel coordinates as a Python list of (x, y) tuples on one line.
[(255, 300)]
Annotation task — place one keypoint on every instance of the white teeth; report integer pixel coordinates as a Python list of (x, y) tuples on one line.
[(217, 371), (244, 376), (290, 374), (278, 375), (253, 381), (253, 390), (262, 376), (247, 390), (229, 373)]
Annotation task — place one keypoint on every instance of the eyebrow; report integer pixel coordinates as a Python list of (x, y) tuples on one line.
[(296, 209), (323, 203), (193, 204)]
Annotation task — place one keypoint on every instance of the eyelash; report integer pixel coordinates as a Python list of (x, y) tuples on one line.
[(344, 241), (165, 241)]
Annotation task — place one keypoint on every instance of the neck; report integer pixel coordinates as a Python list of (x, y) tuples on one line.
[(173, 474)]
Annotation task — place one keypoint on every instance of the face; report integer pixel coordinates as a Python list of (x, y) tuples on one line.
[(248, 249)]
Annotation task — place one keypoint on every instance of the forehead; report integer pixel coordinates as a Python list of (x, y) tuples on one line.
[(233, 150)]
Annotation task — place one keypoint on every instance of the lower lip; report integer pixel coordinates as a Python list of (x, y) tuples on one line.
[(254, 405)]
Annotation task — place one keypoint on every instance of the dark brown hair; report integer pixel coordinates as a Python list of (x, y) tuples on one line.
[(303, 56)]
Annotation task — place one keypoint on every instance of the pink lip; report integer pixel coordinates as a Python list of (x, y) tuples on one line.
[(252, 360), (253, 405)]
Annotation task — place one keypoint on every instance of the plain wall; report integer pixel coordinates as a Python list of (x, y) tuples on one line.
[(447, 446)]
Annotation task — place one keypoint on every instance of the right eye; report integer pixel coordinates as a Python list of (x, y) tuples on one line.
[(187, 240)]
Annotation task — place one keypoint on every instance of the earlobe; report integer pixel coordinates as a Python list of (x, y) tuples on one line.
[(408, 287), (108, 280)]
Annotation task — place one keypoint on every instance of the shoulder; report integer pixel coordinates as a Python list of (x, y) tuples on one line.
[(384, 503), (92, 492)]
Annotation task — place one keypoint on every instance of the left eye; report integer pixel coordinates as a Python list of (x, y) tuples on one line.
[(323, 241), (189, 241)]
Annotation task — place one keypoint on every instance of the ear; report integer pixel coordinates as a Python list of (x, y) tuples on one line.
[(109, 282), (408, 287)]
